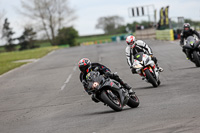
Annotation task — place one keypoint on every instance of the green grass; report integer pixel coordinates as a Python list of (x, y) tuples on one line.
[(7, 58), (43, 44), (97, 38)]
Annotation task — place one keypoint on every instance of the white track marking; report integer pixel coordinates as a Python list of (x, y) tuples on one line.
[(68, 78), (51, 52)]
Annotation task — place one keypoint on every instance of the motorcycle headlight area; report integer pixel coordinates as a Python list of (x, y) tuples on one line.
[(95, 85), (138, 65)]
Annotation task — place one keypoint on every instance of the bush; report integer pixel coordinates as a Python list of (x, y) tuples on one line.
[(67, 35)]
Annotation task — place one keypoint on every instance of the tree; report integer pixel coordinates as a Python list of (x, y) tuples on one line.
[(67, 35), (110, 24), (26, 40), (2, 14), (49, 15), (7, 34)]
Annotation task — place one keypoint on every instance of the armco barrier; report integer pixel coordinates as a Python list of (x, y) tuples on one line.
[(167, 35), (146, 33)]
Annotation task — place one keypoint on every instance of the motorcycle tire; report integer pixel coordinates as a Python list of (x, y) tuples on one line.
[(196, 58), (133, 101), (110, 102), (159, 82), (150, 78)]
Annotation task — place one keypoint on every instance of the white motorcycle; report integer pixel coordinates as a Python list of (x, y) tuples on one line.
[(146, 68)]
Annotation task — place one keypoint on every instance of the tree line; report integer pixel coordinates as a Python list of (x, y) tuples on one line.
[(114, 25), (51, 19)]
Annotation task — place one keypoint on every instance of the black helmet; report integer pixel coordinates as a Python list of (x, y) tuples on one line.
[(186, 27), (84, 64)]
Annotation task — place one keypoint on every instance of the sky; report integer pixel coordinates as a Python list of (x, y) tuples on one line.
[(88, 12)]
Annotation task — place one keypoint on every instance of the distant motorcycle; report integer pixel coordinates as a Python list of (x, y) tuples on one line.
[(110, 92), (193, 49), (146, 68)]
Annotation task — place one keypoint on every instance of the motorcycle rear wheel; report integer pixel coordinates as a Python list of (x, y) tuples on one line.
[(133, 101), (116, 106)]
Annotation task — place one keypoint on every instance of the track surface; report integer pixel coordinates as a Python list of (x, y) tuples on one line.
[(47, 97)]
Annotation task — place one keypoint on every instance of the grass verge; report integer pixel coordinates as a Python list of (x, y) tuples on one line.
[(7, 59)]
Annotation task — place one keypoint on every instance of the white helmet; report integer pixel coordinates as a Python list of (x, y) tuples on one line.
[(130, 40)]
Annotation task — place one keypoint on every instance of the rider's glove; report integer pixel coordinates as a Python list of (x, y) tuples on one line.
[(133, 70)]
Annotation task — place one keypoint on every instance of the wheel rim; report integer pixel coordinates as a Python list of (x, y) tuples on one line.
[(114, 100), (134, 97)]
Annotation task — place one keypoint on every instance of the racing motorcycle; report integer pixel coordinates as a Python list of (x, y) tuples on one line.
[(110, 92), (146, 68), (192, 48)]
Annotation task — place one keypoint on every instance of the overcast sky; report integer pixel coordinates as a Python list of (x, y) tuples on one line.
[(88, 12)]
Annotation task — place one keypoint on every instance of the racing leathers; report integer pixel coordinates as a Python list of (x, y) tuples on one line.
[(103, 70), (140, 46), (184, 36)]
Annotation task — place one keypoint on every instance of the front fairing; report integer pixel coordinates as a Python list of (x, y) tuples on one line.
[(93, 77), (191, 43), (143, 61)]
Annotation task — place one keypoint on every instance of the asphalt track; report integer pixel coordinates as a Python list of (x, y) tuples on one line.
[(47, 97)]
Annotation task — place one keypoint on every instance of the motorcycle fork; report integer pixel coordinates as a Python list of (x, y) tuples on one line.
[(148, 67), (111, 94)]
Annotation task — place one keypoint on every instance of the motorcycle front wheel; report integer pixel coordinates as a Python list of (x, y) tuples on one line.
[(150, 78), (113, 103), (196, 58)]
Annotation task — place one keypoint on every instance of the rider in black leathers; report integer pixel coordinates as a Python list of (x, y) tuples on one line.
[(187, 31), (86, 66)]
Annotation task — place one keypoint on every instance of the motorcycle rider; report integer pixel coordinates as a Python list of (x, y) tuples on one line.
[(187, 31), (86, 66), (136, 46)]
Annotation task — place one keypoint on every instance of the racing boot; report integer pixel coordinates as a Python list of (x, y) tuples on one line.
[(160, 69), (125, 85), (130, 90)]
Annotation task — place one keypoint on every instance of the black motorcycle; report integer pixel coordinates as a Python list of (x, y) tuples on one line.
[(110, 92), (192, 48)]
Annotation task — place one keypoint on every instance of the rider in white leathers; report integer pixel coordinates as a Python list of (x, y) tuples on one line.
[(136, 46)]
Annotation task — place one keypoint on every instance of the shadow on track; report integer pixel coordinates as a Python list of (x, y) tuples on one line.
[(107, 112), (150, 87), (185, 68)]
